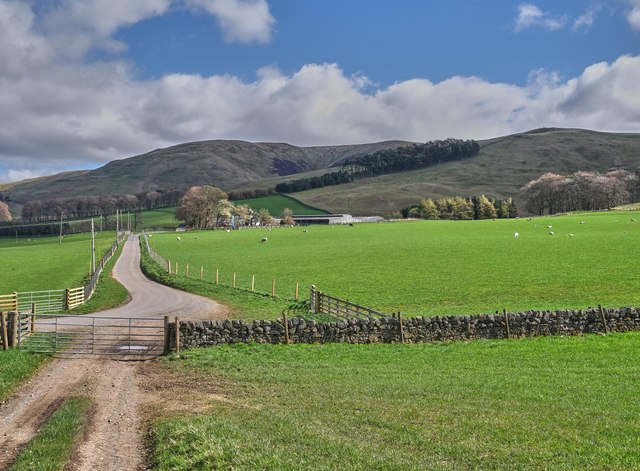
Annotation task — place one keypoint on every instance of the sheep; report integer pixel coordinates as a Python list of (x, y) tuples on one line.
[(228, 230), (515, 234), (570, 235), (177, 238), (264, 239), (582, 222), (633, 220), (196, 237), (552, 233), (549, 227), (305, 230)]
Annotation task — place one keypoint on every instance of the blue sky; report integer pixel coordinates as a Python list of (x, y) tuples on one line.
[(89, 81)]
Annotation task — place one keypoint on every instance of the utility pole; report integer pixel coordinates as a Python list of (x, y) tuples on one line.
[(128, 221), (117, 224), (93, 248), (60, 238)]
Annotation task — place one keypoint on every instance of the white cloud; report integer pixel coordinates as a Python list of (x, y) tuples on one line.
[(586, 20), (633, 16), (529, 16), (60, 113), (241, 20)]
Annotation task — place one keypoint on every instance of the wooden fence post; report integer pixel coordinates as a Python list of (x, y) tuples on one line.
[(12, 321), (603, 319), (400, 327), (234, 279), (506, 322), (297, 290), (167, 337), (186, 273), (15, 302), (285, 321), (253, 282), (66, 298), (177, 337), (201, 273), (5, 340), (176, 268), (318, 301), (217, 276), (169, 270), (273, 288)]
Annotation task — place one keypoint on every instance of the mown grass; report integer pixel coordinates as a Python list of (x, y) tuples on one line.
[(157, 219), (277, 203), (543, 403), (51, 449), (34, 264), (15, 367), (432, 267)]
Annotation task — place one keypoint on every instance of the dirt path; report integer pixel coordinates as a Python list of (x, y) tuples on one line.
[(114, 440)]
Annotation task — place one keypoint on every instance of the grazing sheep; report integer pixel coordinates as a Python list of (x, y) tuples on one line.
[(515, 234), (196, 237), (264, 239), (305, 230), (552, 233), (228, 230), (570, 235), (549, 227), (177, 238), (582, 222), (633, 220)]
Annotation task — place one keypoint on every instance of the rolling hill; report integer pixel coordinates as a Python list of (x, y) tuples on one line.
[(502, 167)]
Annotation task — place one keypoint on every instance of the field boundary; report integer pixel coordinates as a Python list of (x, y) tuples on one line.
[(177, 269), (396, 329)]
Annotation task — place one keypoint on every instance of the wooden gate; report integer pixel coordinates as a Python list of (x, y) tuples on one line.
[(82, 335)]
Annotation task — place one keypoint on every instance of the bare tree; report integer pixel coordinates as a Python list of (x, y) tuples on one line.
[(201, 206), (5, 214)]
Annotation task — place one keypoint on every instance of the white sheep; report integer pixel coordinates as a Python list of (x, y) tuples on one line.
[(582, 222), (570, 235), (177, 238), (552, 233), (515, 234), (549, 227), (264, 239)]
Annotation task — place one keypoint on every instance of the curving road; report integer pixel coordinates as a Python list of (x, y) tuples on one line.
[(151, 299)]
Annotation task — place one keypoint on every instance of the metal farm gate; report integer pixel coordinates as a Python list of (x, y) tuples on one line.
[(81, 335)]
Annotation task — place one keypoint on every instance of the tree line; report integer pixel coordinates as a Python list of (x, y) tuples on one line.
[(581, 191), (93, 206), (459, 208), (400, 159)]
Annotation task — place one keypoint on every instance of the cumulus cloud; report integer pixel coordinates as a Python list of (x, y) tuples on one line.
[(529, 15), (633, 15), (240, 20), (59, 113)]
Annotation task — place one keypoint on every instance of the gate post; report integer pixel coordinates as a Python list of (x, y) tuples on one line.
[(5, 340), (66, 299), (167, 336), (12, 320)]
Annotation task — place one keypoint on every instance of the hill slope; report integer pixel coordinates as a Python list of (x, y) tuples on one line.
[(501, 168), (220, 163)]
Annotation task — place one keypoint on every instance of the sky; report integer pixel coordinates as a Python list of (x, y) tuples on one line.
[(84, 82)]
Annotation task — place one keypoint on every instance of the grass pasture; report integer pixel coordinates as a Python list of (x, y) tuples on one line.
[(42, 264), (542, 403), (432, 267)]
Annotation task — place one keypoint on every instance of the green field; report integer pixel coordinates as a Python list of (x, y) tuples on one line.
[(433, 267), (543, 403), (158, 219), (40, 263), (276, 203)]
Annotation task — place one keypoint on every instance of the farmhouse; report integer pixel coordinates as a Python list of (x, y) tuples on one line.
[(324, 219)]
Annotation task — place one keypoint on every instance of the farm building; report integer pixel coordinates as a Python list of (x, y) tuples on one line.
[(324, 219)]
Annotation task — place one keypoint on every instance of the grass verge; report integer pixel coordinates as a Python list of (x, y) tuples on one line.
[(15, 367), (542, 403), (243, 304), (109, 293), (51, 449)]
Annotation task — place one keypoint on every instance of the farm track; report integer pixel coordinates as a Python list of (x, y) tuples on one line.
[(113, 439)]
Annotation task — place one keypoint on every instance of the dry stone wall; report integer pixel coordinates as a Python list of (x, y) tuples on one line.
[(414, 329)]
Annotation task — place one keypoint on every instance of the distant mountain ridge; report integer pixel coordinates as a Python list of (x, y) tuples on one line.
[(221, 163), (502, 167)]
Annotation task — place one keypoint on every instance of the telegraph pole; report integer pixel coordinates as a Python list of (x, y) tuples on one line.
[(60, 238), (93, 248)]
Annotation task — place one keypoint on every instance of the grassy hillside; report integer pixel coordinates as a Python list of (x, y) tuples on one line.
[(276, 204), (432, 267), (219, 163), (503, 166)]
